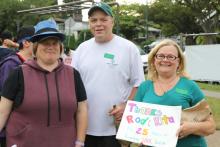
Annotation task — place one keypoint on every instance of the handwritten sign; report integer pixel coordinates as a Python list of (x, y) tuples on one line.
[(150, 124)]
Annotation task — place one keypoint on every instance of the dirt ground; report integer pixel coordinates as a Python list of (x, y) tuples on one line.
[(214, 140)]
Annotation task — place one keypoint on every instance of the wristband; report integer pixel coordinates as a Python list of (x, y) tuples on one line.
[(77, 142)]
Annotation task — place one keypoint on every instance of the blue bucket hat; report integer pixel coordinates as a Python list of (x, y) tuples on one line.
[(101, 6), (46, 29)]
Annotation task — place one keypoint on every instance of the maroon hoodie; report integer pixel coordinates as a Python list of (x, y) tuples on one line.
[(46, 117)]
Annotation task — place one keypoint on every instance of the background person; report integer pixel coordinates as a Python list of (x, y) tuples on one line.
[(14, 60), (168, 84), (7, 44), (67, 56), (48, 97), (111, 70), (7, 40)]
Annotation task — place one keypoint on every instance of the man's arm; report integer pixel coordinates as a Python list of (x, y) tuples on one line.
[(10, 44), (132, 94)]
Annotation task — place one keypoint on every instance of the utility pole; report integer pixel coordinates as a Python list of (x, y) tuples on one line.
[(146, 19)]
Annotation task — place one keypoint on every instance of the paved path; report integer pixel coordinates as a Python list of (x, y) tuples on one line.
[(212, 94), (214, 139)]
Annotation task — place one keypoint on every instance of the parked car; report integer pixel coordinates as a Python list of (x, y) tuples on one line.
[(144, 58), (147, 48)]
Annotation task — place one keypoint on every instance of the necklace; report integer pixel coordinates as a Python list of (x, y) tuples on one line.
[(166, 86)]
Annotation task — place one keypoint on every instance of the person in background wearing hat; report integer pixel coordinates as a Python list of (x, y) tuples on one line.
[(16, 59), (7, 44), (44, 100), (111, 71)]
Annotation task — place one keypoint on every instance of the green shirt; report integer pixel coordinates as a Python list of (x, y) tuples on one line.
[(185, 93)]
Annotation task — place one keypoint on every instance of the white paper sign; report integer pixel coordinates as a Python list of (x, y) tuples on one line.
[(150, 124)]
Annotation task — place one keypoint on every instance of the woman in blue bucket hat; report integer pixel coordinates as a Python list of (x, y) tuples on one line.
[(44, 101)]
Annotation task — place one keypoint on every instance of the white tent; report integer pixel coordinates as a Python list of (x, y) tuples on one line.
[(203, 62)]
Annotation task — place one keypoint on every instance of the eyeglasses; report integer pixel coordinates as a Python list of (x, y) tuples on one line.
[(168, 57)]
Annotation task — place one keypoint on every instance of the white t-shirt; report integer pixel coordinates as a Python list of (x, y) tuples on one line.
[(109, 71)]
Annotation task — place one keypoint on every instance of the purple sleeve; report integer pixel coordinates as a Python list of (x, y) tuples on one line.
[(6, 68)]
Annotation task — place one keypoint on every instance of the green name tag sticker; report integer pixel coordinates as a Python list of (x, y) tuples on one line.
[(109, 56), (181, 91)]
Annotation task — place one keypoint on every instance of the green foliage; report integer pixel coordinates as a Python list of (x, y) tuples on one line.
[(72, 42), (83, 36), (169, 29), (39, 3), (8, 10), (146, 42), (173, 18), (67, 1), (215, 107), (202, 9), (200, 40), (11, 21), (207, 14), (129, 17), (107, 1)]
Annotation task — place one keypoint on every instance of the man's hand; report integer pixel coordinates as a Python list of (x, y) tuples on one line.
[(117, 111)]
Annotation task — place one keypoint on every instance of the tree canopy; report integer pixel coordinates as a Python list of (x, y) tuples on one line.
[(10, 20), (172, 17)]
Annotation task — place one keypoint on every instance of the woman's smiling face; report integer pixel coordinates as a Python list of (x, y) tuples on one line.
[(166, 60), (48, 50)]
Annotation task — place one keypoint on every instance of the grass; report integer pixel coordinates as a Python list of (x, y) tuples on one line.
[(209, 86), (215, 106), (213, 102)]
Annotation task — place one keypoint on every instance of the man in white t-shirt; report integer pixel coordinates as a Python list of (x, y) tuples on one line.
[(111, 70)]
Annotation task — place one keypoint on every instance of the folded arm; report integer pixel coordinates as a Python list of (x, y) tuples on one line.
[(203, 128)]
